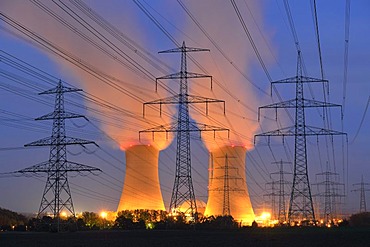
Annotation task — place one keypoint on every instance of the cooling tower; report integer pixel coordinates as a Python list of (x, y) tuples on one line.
[(141, 189), (233, 168)]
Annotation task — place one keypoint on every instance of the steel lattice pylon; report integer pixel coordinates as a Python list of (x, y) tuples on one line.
[(330, 194), (362, 190), (300, 205), (281, 214), (282, 182), (226, 188), (183, 191), (226, 202), (57, 195), (272, 195)]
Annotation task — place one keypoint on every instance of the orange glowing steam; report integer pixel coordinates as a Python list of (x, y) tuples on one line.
[(105, 73), (126, 88), (241, 97)]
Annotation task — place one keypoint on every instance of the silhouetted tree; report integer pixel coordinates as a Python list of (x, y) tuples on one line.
[(360, 220), (126, 214), (91, 219), (124, 223), (254, 224), (10, 218), (344, 223), (140, 224), (81, 225)]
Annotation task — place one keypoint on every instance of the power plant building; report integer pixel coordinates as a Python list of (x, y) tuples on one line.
[(227, 189), (141, 188)]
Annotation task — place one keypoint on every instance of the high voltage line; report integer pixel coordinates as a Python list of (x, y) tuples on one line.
[(110, 50)]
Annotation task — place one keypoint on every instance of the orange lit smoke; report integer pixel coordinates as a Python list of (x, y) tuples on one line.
[(222, 24), (121, 126)]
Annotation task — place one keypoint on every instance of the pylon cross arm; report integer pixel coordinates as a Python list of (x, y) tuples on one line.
[(294, 80), (50, 141), (43, 167), (293, 104), (193, 127), (310, 130), (76, 167), (60, 115), (67, 166), (184, 48), (190, 99), (291, 131), (60, 89), (179, 75)]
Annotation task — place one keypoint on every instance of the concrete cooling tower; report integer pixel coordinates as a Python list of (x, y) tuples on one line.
[(237, 201), (141, 188)]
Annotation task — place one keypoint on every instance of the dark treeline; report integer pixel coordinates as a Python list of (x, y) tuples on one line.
[(360, 219), (134, 220), (125, 220), (11, 221)]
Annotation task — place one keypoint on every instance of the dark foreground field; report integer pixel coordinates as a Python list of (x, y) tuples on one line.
[(243, 237)]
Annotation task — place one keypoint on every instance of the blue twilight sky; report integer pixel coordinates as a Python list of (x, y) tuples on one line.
[(114, 59)]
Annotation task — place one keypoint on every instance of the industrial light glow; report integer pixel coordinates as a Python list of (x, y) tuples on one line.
[(63, 214), (265, 216), (103, 214)]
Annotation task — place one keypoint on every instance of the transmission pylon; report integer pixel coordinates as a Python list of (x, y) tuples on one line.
[(282, 183), (300, 205), (330, 194), (226, 188), (183, 191), (281, 215), (57, 195), (272, 195), (362, 190)]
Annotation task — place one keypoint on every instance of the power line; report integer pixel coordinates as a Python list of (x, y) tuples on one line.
[(318, 39), (218, 47), (346, 48), (57, 167), (183, 190), (245, 28), (362, 121), (301, 204)]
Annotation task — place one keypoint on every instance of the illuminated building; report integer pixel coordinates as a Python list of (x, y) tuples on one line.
[(141, 188), (238, 203)]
